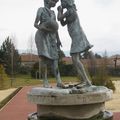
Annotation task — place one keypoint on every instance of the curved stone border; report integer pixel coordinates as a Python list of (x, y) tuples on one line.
[(9, 97)]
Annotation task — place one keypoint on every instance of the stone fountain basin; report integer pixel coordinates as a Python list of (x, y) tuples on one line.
[(71, 103), (56, 96)]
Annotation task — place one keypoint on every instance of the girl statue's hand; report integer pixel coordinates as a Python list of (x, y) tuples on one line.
[(59, 8)]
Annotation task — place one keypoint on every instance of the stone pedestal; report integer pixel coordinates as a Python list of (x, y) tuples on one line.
[(87, 103)]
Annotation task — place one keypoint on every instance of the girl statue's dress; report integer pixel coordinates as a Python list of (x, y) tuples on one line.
[(46, 41), (79, 40)]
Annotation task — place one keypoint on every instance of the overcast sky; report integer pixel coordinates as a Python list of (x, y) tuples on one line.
[(100, 20)]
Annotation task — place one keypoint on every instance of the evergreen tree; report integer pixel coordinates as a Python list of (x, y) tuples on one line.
[(10, 57)]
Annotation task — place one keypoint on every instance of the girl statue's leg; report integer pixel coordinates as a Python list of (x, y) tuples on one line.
[(80, 69), (45, 80), (44, 73), (57, 73)]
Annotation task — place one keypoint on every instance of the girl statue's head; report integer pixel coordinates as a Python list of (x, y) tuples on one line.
[(67, 3), (45, 3), (50, 3)]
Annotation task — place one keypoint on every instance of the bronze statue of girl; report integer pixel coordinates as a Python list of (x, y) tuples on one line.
[(80, 43), (47, 40)]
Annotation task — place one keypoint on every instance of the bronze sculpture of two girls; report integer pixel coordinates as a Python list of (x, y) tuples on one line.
[(47, 38)]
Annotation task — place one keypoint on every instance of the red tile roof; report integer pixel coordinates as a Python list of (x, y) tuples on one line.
[(29, 58), (68, 60)]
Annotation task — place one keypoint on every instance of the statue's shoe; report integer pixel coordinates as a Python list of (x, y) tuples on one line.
[(60, 85)]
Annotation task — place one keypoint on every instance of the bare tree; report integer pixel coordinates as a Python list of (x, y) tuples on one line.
[(31, 46)]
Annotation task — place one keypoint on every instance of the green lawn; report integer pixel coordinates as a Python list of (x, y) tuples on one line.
[(26, 80), (115, 78)]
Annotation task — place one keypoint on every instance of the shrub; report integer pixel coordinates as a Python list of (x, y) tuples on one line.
[(4, 81), (67, 69), (25, 70), (35, 71), (102, 77), (114, 71)]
